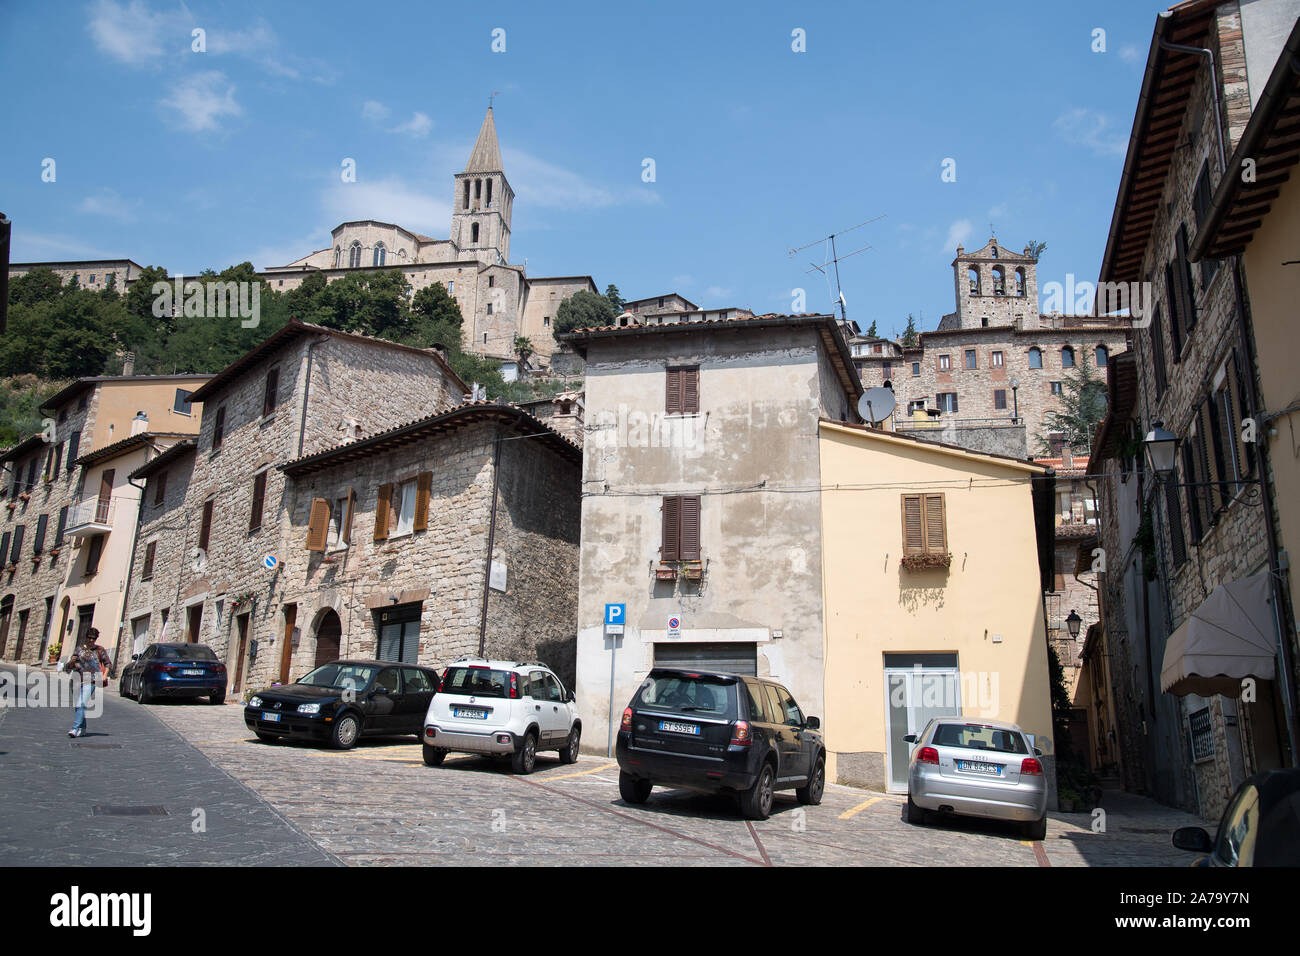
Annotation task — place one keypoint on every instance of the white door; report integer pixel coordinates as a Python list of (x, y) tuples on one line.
[(918, 687)]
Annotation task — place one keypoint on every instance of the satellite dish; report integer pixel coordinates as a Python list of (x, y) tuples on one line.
[(876, 404)]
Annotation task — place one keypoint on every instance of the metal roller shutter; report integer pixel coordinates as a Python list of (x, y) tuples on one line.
[(728, 658)]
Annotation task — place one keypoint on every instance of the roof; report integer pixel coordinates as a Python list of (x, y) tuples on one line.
[(89, 382), (469, 413), (486, 157), (1076, 530), (656, 298), (130, 443), (1078, 330), (1078, 469), (72, 262), (176, 451), (1121, 397), (291, 330), (1272, 140), (994, 458), (1166, 88), (832, 337), (21, 450)]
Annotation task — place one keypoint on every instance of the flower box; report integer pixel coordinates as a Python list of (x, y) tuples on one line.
[(926, 562), (666, 574)]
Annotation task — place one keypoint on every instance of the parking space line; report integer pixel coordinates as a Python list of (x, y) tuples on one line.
[(859, 808), (582, 773), (767, 861), (1040, 854)]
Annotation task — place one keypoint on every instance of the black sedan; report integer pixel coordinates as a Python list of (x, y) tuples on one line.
[(343, 701), (174, 670), (1260, 827)]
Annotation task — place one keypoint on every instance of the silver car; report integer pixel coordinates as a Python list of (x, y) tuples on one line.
[(977, 769)]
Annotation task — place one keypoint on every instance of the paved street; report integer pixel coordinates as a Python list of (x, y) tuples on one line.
[(379, 804)]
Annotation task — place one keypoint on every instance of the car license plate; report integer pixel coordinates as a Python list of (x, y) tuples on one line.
[(470, 714), (676, 728), (192, 673), (269, 716), (975, 766)]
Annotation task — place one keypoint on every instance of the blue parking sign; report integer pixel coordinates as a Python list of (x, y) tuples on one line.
[(614, 613)]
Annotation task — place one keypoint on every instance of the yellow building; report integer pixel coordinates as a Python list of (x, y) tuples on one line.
[(932, 588)]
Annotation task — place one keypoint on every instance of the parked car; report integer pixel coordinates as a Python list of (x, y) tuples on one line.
[(174, 670), (1259, 827), (987, 769), (719, 733), (344, 701), (501, 708)]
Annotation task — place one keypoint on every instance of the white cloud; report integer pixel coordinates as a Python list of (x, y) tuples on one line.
[(133, 33), (374, 112), (1091, 129), (717, 292), (202, 101), (418, 126), (34, 247), (107, 203), (998, 211), (958, 233), (283, 252), (546, 185), (388, 200), (1130, 53)]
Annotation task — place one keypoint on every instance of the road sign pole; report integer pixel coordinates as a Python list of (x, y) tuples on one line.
[(613, 652)]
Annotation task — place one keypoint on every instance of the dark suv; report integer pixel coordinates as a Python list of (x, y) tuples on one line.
[(719, 733)]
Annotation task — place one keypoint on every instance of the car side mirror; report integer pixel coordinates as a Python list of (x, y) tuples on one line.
[(1194, 839), (135, 657), (909, 738), (812, 723), (569, 698), (1037, 752)]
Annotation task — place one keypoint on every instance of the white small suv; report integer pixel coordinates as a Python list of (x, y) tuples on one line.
[(498, 708)]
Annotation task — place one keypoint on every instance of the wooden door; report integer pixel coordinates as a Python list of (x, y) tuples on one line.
[(327, 639), (105, 495), (286, 646), (242, 623), (194, 623)]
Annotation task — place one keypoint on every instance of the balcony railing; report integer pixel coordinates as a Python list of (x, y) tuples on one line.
[(91, 517)]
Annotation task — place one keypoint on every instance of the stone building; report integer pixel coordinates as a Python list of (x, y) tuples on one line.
[(1190, 737), (92, 274), (69, 517)]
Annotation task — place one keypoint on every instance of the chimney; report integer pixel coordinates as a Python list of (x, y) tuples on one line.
[(1067, 457), (128, 366), (140, 423)]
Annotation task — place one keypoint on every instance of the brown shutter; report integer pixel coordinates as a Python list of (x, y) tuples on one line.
[(690, 390), (381, 512), (272, 390), (673, 400), (1237, 395), (318, 524), (936, 536), (205, 526), (689, 542), (219, 428), (259, 499), (150, 550), (160, 488), (913, 527), (422, 488), (1206, 494), (346, 536), (671, 548)]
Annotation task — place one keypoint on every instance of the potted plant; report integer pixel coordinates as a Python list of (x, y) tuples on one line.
[(666, 572), (693, 570), (55, 649), (927, 561)]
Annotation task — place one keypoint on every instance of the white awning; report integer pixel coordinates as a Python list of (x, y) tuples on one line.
[(1229, 637)]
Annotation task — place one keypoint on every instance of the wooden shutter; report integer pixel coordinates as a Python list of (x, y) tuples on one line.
[(150, 550), (670, 550), (272, 390), (346, 534), (17, 551), (259, 498), (160, 487), (38, 545), (673, 398), (1238, 379), (913, 525), (1174, 295), (1185, 280), (58, 534), (74, 444), (936, 537), (58, 460), (689, 540), (219, 428), (1193, 499), (4, 549), (318, 524), (205, 525), (690, 390), (1157, 342), (1205, 496), (423, 486), (381, 512)]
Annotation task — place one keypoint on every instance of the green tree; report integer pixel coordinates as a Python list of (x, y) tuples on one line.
[(910, 336), (523, 347), (1035, 249), (615, 299), (871, 332), (1082, 407), (38, 285), (433, 304), (583, 310)]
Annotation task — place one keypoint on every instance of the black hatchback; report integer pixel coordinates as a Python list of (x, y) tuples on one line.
[(343, 701), (719, 733)]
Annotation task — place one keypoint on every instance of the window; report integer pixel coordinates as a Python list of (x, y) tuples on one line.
[(998, 360), (340, 526), (946, 401), (4, 548), (546, 321), (945, 363), (270, 396), (354, 255), (993, 251), (916, 369), (918, 405), (924, 526), (1000, 399), (74, 445), (38, 543), (1067, 357), (401, 507), (683, 391), (380, 254), (1102, 355), (1156, 340), (681, 528), (489, 312), (489, 194), (887, 370), (465, 203), (182, 401), (150, 552), (1056, 388), (492, 281), (1201, 206), (94, 551), (451, 283), (205, 525), (259, 501), (1175, 313), (971, 361), (1184, 275), (219, 428), (159, 488), (473, 234), (16, 551), (875, 349), (58, 531), (81, 403), (1035, 358)]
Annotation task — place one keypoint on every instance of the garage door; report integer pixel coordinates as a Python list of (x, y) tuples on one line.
[(728, 658)]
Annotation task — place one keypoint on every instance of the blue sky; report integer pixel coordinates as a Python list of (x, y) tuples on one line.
[(191, 160)]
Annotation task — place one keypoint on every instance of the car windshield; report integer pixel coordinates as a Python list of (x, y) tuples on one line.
[(355, 676), (689, 694), (980, 737), (185, 652), (476, 681)]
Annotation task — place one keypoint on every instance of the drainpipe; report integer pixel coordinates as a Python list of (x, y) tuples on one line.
[(491, 542)]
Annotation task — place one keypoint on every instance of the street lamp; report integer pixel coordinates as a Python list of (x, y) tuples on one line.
[(1161, 445), (1073, 622), (1015, 398)]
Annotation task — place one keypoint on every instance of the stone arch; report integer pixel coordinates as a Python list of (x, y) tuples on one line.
[(381, 253), (999, 281), (1020, 281), (973, 276), (354, 254), (327, 631)]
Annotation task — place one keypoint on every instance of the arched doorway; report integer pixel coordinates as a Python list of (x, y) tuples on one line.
[(329, 630)]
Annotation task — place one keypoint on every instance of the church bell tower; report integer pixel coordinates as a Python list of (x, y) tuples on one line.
[(482, 200)]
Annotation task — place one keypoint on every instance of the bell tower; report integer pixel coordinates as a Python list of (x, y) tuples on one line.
[(481, 201)]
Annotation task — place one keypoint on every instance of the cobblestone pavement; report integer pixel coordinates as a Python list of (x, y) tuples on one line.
[(380, 805)]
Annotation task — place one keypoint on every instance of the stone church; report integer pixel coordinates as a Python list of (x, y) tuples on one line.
[(497, 299)]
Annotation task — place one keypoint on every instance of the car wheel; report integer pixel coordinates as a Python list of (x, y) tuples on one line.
[(142, 695), (123, 689), (756, 802), (525, 758), (915, 815), (266, 738), (811, 793), (569, 752), (217, 698), (1036, 829), (633, 789), (346, 731), (434, 756)]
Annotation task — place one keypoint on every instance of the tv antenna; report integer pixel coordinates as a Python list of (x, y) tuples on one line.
[(834, 260)]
